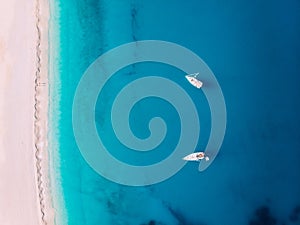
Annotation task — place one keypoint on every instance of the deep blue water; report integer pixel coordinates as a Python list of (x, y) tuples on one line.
[(253, 49)]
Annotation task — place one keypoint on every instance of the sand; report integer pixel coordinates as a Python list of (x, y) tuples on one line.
[(24, 192)]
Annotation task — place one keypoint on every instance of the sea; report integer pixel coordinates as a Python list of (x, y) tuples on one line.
[(251, 48)]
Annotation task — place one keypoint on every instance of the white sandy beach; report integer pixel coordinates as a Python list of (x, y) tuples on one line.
[(20, 178)]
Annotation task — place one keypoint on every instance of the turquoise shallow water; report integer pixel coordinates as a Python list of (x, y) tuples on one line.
[(253, 49)]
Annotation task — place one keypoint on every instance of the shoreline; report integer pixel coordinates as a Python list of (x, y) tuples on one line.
[(54, 114), (24, 168), (41, 99)]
